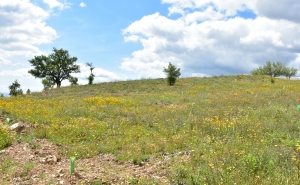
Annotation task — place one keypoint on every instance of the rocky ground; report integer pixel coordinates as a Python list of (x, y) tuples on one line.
[(40, 162)]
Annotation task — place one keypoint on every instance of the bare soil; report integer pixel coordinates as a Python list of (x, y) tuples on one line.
[(40, 162)]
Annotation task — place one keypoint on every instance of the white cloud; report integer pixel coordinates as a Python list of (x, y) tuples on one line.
[(22, 27), (288, 9), (56, 4), (208, 14), (206, 39), (227, 7), (7, 77), (82, 4), (101, 75), (199, 75)]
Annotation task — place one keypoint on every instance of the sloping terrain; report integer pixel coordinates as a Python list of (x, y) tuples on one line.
[(219, 130)]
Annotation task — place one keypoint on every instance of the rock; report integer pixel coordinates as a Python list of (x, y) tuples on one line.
[(49, 159), (31, 157), (54, 158), (16, 127)]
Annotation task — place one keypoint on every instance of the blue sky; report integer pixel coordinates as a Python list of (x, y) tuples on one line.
[(94, 32), (135, 39)]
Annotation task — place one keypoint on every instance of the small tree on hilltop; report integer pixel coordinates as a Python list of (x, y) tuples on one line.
[(289, 72), (258, 71), (172, 73), (274, 70), (73, 80), (56, 67), (278, 69), (91, 77), (15, 89)]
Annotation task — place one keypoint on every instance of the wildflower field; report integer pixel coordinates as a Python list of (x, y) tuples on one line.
[(235, 129)]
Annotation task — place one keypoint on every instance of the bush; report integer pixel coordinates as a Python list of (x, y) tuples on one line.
[(47, 83), (14, 89), (28, 91), (91, 79), (73, 80), (6, 138)]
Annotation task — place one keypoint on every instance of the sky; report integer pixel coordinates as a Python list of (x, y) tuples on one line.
[(134, 39)]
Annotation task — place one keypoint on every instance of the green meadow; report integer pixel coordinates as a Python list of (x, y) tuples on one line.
[(235, 129)]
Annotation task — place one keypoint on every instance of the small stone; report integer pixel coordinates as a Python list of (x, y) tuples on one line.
[(16, 126), (54, 158), (61, 182), (42, 160)]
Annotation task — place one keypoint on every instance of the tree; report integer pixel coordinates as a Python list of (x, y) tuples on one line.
[(91, 77), (278, 69), (15, 89), (274, 70), (73, 80), (268, 68), (289, 72), (56, 67), (172, 73), (28, 91), (258, 71)]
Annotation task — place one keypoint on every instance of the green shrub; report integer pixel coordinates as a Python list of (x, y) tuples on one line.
[(6, 138), (14, 89)]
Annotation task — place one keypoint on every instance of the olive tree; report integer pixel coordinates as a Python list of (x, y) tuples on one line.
[(274, 70), (56, 67), (289, 72)]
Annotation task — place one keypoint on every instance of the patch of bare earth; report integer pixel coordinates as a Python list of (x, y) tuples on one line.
[(40, 162)]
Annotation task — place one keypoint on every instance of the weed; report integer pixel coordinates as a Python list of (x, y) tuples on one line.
[(6, 165), (26, 168), (96, 182)]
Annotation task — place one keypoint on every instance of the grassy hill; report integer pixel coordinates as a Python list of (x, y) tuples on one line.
[(235, 129)]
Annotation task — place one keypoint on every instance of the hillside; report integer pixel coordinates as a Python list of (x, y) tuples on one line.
[(219, 130)]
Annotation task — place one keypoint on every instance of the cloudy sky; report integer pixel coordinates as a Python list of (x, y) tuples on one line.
[(135, 39)]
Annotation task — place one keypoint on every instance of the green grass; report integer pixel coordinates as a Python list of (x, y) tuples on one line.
[(235, 129)]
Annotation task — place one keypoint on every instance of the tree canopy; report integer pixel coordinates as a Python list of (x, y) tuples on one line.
[(15, 89), (172, 73), (274, 70), (56, 67)]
